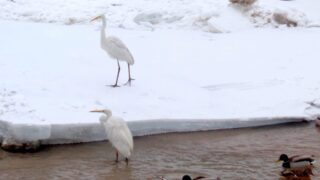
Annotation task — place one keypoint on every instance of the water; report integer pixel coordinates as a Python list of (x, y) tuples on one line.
[(246, 154)]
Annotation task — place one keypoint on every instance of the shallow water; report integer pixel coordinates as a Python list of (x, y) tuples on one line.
[(248, 153)]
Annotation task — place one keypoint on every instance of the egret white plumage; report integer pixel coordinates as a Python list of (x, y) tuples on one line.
[(118, 133), (116, 49)]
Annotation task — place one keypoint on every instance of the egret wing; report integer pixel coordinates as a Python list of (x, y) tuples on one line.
[(120, 49), (119, 139), (128, 134)]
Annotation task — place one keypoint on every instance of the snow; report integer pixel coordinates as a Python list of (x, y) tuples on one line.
[(187, 78), (206, 15)]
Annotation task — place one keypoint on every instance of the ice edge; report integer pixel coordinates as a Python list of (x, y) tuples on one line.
[(89, 132)]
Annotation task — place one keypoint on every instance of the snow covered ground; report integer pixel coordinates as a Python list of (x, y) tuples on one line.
[(206, 15), (187, 78)]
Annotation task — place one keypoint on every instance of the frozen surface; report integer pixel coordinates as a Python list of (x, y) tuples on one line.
[(187, 78), (205, 15), (55, 74), (86, 132)]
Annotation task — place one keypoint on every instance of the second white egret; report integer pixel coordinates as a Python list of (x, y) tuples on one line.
[(118, 133)]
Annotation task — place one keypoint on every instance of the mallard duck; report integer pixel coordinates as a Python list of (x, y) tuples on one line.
[(296, 162), (187, 177)]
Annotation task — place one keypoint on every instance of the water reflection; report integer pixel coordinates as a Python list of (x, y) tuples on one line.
[(229, 154)]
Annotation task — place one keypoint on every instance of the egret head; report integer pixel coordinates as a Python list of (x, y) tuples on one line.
[(107, 112), (98, 17)]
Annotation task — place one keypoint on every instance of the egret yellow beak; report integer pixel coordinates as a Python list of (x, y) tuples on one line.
[(96, 18), (278, 161), (96, 110)]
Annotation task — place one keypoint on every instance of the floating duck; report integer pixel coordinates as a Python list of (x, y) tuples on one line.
[(296, 162), (187, 177)]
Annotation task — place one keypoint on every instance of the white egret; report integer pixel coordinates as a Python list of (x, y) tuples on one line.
[(118, 133), (116, 49)]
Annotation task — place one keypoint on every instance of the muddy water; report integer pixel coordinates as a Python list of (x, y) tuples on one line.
[(230, 154)]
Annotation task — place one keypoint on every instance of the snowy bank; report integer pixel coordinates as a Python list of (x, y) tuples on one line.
[(51, 76), (204, 15)]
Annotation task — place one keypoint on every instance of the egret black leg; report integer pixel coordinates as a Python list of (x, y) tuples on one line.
[(117, 156), (130, 79), (127, 161), (116, 84)]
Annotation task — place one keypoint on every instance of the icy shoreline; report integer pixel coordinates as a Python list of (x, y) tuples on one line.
[(89, 132), (52, 75), (48, 88)]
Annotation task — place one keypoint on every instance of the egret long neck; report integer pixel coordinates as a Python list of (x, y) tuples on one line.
[(103, 29), (104, 119), (108, 113)]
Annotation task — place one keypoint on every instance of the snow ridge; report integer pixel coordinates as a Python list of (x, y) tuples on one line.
[(211, 16)]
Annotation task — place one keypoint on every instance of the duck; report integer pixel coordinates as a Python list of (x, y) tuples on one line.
[(187, 177), (296, 162)]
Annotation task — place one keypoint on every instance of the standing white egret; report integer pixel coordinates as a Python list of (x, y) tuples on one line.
[(118, 133), (116, 49)]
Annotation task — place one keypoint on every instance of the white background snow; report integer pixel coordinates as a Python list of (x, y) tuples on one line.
[(53, 71)]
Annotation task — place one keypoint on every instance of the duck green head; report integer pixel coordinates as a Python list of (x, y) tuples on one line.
[(284, 158)]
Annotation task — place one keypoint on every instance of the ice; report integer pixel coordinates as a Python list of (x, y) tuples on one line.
[(153, 18), (74, 133), (146, 14), (252, 74), (88, 132), (200, 65), (29, 132), (4, 128)]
